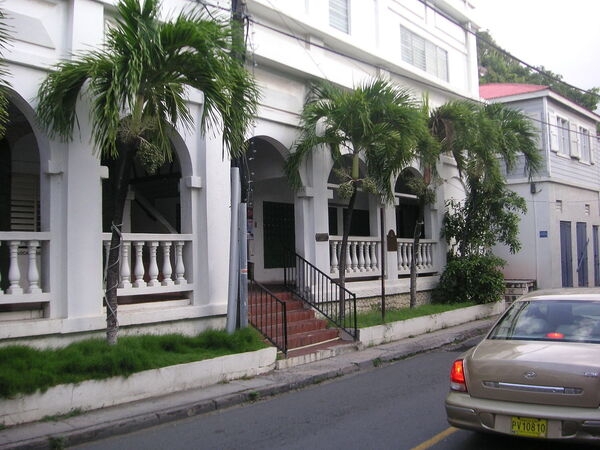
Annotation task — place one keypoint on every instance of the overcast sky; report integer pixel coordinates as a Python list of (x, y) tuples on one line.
[(563, 36)]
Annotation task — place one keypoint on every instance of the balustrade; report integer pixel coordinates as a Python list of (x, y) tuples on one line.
[(361, 256), (425, 256), (23, 266), (156, 262)]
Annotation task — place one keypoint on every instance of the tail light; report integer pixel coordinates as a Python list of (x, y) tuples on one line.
[(457, 376)]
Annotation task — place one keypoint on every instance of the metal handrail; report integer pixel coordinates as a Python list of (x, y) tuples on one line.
[(268, 314), (322, 293)]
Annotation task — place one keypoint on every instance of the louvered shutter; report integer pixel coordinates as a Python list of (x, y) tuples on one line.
[(338, 15), (574, 136), (553, 131)]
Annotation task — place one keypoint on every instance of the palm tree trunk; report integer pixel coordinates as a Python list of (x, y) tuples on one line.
[(343, 251), (413, 262), (119, 180)]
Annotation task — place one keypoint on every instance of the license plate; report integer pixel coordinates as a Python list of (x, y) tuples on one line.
[(529, 426)]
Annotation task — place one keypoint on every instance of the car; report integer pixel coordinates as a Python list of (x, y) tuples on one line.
[(536, 374)]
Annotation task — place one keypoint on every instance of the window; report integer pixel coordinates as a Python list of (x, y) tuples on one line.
[(339, 15), (564, 140), (423, 54), (584, 144)]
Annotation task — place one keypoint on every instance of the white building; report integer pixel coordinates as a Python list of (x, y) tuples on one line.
[(560, 232), (51, 218)]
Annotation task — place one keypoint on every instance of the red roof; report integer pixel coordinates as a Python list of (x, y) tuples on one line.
[(497, 90)]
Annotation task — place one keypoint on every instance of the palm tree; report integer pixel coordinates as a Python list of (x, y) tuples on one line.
[(137, 83), (4, 84), (481, 138), (375, 121)]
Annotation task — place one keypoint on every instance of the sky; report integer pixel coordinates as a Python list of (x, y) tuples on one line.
[(563, 36)]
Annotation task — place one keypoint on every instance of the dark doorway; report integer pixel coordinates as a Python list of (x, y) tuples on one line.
[(566, 254), (278, 233)]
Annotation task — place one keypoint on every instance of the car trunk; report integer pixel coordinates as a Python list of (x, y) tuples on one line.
[(549, 373)]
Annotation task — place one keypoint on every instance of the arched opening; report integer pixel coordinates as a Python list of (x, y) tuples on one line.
[(408, 209), (154, 204), (21, 243), (337, 208), (271, 218)]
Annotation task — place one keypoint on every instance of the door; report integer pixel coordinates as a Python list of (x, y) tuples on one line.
[(566, 254), (596, 256), (278, 233), (582, 254)]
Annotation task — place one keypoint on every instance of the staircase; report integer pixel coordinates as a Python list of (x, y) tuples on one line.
[(266, 312)]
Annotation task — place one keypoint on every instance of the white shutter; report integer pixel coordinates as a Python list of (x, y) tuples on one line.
[(594, 147), (553, 131), (574, 137)]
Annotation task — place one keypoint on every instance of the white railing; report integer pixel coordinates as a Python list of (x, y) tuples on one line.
[(22, 266), (426, 256), (152, 263), (362, 256)]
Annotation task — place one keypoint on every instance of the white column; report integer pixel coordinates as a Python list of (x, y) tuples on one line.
[(152, 265), (166, 266), (33, 272), (14, 274)]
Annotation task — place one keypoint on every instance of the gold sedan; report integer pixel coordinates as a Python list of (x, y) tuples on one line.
[(537, 372)]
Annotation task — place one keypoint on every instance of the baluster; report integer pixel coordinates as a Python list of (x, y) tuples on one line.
[(179, 267), (361, 256), (33, 273), (14, 274), (166, 268), (138, 270), (420, 255), (368, 262), (125, 265), (348, 259), (333, 256), (430, 255), (425, 256), (374, 262), (353, 248), (402, 263), (152, 265)]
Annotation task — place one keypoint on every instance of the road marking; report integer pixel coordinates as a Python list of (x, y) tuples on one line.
[(434, 440)]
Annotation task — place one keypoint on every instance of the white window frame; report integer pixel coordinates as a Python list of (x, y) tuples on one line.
[(564, 135), (585, 144), (423, 54)]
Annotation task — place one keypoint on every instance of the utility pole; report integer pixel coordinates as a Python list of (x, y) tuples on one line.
[(237, 308)]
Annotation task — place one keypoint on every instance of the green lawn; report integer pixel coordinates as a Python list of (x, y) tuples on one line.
[(24, 370), (372, 318)]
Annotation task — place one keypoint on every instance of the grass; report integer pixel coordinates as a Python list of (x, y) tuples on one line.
[(372, 318), (25, 370)]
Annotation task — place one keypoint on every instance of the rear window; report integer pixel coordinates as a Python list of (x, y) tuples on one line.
[(550, 320)]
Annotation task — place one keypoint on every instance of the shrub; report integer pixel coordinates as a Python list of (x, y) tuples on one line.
[(475, 278)]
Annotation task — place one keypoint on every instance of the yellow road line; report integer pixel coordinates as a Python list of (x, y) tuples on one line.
[(434, 440)]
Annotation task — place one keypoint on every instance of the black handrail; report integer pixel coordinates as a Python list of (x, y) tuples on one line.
[(322, 293), (268, 314)]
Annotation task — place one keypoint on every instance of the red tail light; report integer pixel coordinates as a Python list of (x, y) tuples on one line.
[(457, 376)]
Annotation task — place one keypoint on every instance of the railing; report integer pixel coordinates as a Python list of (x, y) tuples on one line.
[(426, 256), (152, 263), (322, 293), (21, 257), (362, 256), (268, 314)]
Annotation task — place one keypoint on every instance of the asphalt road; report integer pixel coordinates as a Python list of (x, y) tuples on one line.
[(394, 406)]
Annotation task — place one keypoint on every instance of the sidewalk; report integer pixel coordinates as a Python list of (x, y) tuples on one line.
[(134, 416)]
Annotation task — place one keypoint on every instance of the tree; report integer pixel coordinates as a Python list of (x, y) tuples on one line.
[(375, 121), (137, 83), (482, 138), (498, 66)]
